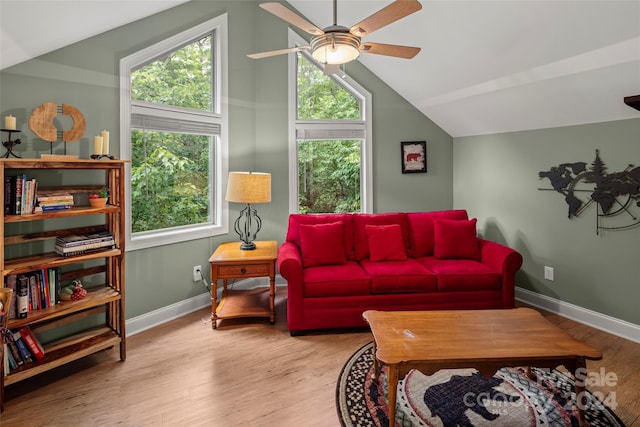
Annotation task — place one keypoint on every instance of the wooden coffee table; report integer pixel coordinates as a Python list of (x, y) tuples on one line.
[(486, 340)]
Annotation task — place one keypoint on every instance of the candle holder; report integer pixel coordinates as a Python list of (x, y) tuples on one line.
[(9, 144), (102, 157)]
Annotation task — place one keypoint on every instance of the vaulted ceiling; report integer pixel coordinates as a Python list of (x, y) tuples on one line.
[(485, 66)]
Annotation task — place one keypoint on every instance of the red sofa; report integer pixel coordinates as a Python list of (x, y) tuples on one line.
[(339, 265)]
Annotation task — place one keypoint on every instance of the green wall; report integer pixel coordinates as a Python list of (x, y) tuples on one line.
[(496, 179), (85, 75)]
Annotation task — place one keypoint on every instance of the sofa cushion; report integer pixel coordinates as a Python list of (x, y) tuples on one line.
[(399, 276), (295, 220), (421, 229), (386, 243), (337, 280), (322, 244), (360, 221), (458, 275), (456, 239)]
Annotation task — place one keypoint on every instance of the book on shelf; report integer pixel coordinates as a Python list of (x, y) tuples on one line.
[(28, 196), (9, 361), (54, 285), (18, 191), (32, 342), (34, 292), (13, 349), (81, 244), (51, 198), (10, 195), (11, 282), (22, 299), (25, 354), (53, 208)]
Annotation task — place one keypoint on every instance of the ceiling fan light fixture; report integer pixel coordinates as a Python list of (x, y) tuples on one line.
[(335, 48)]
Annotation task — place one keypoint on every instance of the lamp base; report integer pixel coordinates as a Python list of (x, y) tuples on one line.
[(244, 226), (247, 246)]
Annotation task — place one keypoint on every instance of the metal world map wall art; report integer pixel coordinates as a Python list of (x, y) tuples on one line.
[(616, 195)]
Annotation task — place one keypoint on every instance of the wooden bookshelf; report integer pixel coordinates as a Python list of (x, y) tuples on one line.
[(106, 300)]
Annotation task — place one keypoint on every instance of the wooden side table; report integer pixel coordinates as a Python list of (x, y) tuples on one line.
[(229, 262)]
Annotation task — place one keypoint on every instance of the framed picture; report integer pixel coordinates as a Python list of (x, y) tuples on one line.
[(414, 156)]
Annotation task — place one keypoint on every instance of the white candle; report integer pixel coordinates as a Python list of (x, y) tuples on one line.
[(10, 122), (97, 145), (105, 142)]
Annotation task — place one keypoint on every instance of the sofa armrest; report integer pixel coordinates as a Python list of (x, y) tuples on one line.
[(505, 260), (290, 262), (290, 266)]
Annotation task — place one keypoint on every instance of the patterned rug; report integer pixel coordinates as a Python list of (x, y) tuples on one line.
[(463, 397)]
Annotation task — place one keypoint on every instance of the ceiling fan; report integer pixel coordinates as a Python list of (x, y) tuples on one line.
[(335, 44)]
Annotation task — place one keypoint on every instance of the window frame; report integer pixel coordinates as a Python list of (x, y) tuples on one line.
[(299, 127), (219, 163)]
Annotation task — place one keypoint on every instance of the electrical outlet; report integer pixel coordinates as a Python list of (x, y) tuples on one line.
[(548, 273), (197, 273)]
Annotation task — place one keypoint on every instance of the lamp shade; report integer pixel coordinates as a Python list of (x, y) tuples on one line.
[(249, 187), (335, 48)]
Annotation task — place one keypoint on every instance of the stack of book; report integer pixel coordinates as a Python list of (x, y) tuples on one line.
[(23, 348), (82, 244), (55, 201)]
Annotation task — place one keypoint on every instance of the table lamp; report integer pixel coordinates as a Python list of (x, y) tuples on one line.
[(249, 188)]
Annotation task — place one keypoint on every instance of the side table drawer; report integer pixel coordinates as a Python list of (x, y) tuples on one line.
[(237, 271)]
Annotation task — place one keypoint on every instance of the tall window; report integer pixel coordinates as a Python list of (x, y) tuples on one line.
[(330, 149), (173, 125)]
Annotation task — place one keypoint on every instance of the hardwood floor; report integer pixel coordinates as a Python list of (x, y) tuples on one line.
[(247, 373)]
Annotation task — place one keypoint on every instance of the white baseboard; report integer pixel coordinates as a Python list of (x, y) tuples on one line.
[(165, 314), (591, 318)]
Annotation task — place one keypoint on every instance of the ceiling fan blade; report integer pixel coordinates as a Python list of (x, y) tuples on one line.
[(291, 17), (385, 16), (406, 52), (277, 52)]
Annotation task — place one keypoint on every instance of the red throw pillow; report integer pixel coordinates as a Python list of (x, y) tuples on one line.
[(421, 229), (385, 243), (456, 239), (322, 244)]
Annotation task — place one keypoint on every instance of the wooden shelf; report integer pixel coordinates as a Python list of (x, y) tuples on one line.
[(244, 303), (37, 262), (76, 211), (94, 298), (60, 164), (65, 351)]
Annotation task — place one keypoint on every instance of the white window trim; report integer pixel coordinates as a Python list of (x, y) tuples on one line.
[(347, 130), (220, 153)]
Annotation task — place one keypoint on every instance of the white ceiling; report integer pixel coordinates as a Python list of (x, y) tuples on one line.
[(485, 66)]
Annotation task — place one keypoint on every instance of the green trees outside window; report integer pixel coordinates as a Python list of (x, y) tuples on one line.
[(170, 167), (328, 169)]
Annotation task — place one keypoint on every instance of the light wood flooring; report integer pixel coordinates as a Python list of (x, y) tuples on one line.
[(246, 373)]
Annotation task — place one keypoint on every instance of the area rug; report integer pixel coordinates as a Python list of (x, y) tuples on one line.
[(463, 397)]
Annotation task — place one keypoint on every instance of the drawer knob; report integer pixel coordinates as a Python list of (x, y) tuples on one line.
[(243, 270)]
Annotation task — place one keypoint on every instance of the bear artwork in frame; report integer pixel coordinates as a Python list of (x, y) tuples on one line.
[(414, 156)]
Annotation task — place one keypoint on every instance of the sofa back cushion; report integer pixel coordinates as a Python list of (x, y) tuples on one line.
[(360, 222), (456, 239), (421, 228), (296, 220), (386, 243)]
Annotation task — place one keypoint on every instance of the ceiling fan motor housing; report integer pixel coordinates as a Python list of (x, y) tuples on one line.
[(336, 46)]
